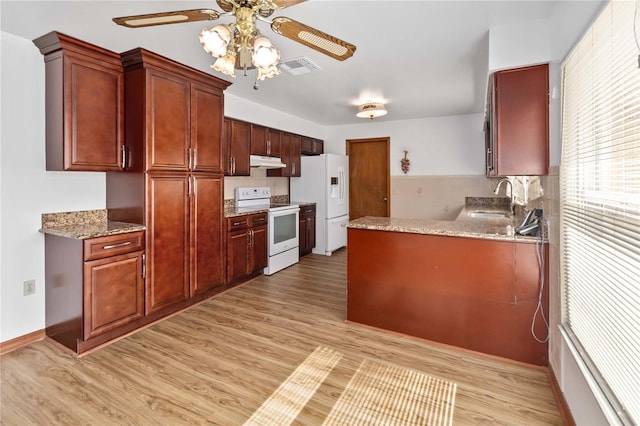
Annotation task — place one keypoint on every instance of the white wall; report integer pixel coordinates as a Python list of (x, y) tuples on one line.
[(520, 44), (451, 145), (243, 109), (27, 190)]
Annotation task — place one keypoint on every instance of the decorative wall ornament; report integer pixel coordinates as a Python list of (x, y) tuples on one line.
[(405, 163)]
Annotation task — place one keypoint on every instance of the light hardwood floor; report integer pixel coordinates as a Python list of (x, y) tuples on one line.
[(218, 361)]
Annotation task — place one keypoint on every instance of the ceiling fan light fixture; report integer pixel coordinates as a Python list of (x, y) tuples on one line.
[(240, 45), (265, 55), (268, 72), (226, 64), (216, 40), (371, 110)]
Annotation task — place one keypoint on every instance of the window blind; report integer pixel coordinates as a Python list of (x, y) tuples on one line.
[(600, 204)]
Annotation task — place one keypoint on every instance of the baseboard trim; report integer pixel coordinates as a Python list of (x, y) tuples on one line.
[(565, 412), (21, 341)]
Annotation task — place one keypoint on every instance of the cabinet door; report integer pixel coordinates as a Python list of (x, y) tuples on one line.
[(274, 139), (226, 146), (113, 293), (93, 111), (311, 233), (167, 240), (239, 148), (259, 243), (285, 149), (302, 236), (206, 128), (207, 233), (84, 105), (521, 121), (294, 155), (311, 146), (237, 254), (168, 115), (259, 136)]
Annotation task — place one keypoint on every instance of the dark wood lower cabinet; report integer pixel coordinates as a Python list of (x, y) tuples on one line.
[(114, 293), (168, 240), (246, 246), (307, 231), (476, 294), (94, 288)]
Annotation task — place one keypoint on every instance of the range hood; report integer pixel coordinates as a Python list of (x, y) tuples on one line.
[(266, 162)]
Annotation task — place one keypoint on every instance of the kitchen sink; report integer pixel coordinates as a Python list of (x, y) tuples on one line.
[(489, 214)]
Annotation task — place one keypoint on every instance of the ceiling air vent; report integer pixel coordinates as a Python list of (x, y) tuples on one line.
[(300, 65)]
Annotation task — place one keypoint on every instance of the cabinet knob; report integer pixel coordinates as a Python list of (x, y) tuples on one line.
[(385, 199)]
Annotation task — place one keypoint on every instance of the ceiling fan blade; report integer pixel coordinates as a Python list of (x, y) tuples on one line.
[(225, 5), (281, 4), (163, 18), (315, 39)]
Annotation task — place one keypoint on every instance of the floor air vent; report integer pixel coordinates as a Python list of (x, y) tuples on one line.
[(300, 65)]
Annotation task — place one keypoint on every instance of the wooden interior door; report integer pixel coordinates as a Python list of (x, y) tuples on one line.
[(368, 177)]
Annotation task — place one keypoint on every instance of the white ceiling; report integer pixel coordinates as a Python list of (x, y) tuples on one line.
[(424, 58)]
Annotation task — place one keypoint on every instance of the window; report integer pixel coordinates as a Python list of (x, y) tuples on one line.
[(600, 205)]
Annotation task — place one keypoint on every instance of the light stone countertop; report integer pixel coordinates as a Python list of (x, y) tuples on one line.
[(85, 224), (501, 229), (231, 211)]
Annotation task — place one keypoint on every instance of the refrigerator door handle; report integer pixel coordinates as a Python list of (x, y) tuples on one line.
[(341, 177)]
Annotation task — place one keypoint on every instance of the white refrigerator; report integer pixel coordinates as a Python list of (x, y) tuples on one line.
[(325, 181)]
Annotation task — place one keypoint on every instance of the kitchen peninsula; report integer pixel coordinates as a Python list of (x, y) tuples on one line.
[(471, 283)]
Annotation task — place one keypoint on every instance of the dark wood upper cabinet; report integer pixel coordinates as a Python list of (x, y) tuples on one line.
[(290, 152), (207, 104), (84, 90), (265, 141), (311, 146), (274, 139), (517, 122), (294, 163), (237, 147), (168, 131)]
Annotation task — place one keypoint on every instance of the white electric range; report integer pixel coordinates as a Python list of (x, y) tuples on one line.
[(282, 229)]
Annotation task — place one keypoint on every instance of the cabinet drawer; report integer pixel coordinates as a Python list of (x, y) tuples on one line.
[(307, 212), (258, 219), (97, 248), (237, 223)]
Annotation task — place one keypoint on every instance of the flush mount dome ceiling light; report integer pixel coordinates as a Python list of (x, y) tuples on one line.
[(240, 45), (371, 110)]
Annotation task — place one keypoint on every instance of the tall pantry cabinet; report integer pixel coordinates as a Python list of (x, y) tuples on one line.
[(174, 180)]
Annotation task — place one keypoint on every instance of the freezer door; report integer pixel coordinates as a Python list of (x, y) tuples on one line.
[(336, 234)]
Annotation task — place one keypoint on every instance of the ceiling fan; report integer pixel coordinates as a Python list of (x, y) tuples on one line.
[(240, 45)]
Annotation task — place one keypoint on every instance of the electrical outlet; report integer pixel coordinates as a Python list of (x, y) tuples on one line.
[(29, 287)]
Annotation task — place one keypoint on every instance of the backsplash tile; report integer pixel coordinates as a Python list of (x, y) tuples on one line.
[(278, 185), (436, 197)]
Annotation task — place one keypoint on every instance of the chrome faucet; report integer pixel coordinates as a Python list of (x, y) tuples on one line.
[(510, 194)]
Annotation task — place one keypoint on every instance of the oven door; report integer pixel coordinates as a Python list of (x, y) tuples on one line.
[(283, 230)]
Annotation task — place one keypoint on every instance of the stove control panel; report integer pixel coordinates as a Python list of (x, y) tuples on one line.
[(252, 192)]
